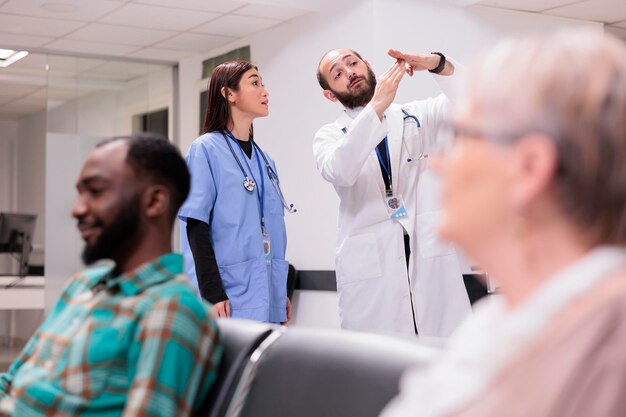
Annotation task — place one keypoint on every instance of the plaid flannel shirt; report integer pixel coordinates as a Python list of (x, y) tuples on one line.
[(139, 344)]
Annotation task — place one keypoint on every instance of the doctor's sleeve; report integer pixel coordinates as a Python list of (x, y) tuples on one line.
[(434, 111), (340, 156), (202, 194), (439, 107), (437, 112)]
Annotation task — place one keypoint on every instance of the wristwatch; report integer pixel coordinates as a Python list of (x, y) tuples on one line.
[(442, 63)]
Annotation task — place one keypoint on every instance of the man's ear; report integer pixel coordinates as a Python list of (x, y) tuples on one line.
[(330, 96), (536, 159), (156, 200)]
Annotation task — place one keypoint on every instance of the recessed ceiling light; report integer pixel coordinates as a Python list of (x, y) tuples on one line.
[(59, 7), (5, 53), (8, 57)]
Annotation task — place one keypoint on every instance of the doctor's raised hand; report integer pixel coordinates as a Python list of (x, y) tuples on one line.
[(387, 87), (434, 62)]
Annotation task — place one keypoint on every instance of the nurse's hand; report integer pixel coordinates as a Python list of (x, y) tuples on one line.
[(222, 309), (288, 312)]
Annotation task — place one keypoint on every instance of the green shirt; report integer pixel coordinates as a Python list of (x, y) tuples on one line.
[(138, 344)]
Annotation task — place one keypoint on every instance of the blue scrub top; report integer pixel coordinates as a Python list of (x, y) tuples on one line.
[(256, 290)]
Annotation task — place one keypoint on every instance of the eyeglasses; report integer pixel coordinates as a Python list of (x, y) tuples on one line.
[(452, 133)]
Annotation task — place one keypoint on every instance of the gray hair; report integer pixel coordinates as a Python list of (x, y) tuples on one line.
[(570, 86)]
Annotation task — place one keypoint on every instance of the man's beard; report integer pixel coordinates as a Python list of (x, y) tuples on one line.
[(114, 236), (351, 100)]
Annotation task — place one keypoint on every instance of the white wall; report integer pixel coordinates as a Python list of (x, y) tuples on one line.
[(287, 57)]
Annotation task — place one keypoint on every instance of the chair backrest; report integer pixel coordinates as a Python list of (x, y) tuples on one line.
[(322, 373), (239, 338)]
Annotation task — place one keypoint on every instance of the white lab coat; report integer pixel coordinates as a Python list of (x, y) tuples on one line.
[(372, 282)]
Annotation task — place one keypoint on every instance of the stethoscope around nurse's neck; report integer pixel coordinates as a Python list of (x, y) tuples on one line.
[(248, 183)]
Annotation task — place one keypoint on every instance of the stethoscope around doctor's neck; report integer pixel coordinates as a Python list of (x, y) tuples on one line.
[(407, 117), (248, 183)]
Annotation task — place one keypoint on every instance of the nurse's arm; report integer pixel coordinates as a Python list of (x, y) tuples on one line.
[(207, 271)]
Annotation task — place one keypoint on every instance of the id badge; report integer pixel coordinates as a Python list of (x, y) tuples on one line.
[(395, 207), (267, 247)]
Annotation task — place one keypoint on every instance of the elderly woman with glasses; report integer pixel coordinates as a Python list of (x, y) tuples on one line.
[(534, 190)]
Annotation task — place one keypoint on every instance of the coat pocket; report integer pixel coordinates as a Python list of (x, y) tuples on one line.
[(280, 268), (358, 259), (427, 237)]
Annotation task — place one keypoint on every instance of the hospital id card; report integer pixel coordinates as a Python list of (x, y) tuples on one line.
[(395, 207), (267, 247)]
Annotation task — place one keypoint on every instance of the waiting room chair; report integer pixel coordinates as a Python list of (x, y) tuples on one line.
[(239, 338), (322, 373)]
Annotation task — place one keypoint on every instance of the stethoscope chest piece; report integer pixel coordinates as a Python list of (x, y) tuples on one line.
[(249, 184)]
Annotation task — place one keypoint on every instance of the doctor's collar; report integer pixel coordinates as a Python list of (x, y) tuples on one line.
[(353, 112)]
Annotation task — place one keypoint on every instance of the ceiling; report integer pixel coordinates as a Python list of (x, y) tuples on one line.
[(610, 12), (159, 31), (163, 30), (166, 31)]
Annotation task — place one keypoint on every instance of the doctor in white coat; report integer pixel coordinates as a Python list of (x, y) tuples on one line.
[(393, 273)]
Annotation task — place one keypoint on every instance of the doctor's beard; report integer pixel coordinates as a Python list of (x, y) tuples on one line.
[(353, 100)]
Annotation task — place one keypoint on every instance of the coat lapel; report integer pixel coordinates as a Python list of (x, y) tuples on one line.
[(394, 140), (373, 165)]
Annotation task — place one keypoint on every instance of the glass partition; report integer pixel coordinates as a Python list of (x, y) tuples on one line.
[(89, 100)]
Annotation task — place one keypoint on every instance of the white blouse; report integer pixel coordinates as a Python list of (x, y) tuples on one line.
[(489, 339)]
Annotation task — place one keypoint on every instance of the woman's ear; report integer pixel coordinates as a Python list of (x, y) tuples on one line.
[(536, 163), (227, 94)]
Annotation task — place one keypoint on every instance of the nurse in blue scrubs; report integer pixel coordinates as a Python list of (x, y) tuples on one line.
[(234, 236)]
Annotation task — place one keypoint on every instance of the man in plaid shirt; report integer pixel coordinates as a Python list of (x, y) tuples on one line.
[(131, 339)]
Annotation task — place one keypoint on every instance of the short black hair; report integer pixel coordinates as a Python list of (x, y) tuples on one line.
[(321, 79), (154, 155)]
